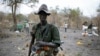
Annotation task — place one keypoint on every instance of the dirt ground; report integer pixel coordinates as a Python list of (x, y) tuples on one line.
[(74, 44)]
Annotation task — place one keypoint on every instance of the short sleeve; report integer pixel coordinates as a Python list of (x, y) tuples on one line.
[(55, 35)]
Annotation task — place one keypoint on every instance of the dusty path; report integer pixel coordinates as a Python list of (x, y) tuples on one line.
[(89, 46), (16, 45)]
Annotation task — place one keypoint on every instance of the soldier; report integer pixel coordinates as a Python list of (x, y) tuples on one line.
[(44, 31)]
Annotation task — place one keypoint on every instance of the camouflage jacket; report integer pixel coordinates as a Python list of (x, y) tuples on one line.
[(47, 33)]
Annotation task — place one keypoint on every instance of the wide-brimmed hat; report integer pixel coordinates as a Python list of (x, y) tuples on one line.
[(43, 8)]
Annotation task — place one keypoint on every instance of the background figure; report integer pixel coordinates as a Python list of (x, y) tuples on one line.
[(19, 27), (94, 32), (84, 28), (90, 28), (27, 28), (66, 25)]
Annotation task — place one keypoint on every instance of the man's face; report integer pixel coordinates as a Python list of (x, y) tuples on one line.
[(42, 16)]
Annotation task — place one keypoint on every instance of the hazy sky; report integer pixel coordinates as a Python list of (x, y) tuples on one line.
[(88, 7)]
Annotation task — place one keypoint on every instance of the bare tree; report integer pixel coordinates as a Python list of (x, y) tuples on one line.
[(53, 15), (14, 5), (66, 16), (98, 19), (74, 16), (33, 18), (1, 16)]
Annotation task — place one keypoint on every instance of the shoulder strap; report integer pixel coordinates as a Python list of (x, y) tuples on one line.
[(46, 31)]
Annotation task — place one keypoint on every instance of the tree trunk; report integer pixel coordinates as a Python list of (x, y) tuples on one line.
[(14, 6), (77, 22), (14, 15)]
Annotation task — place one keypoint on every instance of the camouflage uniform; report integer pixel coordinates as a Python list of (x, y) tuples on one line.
[(47, 33)]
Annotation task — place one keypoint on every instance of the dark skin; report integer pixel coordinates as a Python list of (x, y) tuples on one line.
[(42, 16)]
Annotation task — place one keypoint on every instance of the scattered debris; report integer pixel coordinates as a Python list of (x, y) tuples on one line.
[(17, 32), (79, 54), (19, 48), (79, 43), (84, 34), (92, 39), (64, 36), (23, 48), (27, 45), (81, 39)]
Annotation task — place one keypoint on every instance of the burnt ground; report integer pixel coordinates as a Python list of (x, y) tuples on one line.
[(74, 44)]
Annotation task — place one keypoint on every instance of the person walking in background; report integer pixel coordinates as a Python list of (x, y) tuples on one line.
[(84, 26), (90, 29), (84, 29), (27, 29), (66, 25)]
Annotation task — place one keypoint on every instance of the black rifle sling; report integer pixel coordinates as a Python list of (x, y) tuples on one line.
[(45, 34)]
